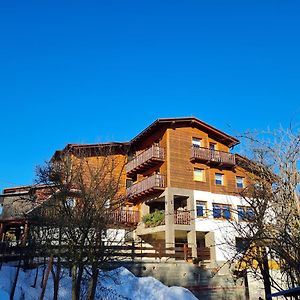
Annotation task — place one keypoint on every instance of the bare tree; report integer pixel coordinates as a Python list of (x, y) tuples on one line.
[(269, 231), (85, 190)]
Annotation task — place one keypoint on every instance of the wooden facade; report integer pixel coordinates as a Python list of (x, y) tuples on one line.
[(180, 158), (163, 156)]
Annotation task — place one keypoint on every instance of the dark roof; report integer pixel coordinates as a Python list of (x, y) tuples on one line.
[(186, 121), (92, 148), (159, 123)]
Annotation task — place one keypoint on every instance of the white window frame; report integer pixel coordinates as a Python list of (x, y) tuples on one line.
[(240, 181), (218, 180), (196, 142), (202, 204)]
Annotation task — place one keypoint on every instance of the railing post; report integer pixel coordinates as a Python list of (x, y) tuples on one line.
[(132, 250)]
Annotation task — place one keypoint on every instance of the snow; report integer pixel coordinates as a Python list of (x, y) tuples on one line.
[(119, 284)]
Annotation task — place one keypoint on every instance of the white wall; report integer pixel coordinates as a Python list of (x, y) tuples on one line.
[(223, 230)]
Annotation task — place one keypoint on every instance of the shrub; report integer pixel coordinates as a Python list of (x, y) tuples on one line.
[(154, 219)]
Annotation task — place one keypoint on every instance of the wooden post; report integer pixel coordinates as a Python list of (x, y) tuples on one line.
[(25, 235), (132, 250), (1, 231), (185, 251), (46, 277)]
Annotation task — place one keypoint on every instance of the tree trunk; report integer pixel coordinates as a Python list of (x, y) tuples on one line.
[(78, 281), (13, 288), (93, 284), (56, 278), (265, 273), (74, 273), (46, 277)]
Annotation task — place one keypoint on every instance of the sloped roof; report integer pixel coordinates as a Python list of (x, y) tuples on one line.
[(186, 121)]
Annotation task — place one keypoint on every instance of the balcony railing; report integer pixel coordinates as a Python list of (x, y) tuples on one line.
[(149, 185), (182, 217), (213, 156), (126, 216), (146, 159)]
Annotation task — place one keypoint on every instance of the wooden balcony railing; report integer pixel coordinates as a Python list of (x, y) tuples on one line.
[(146, 159), (149, 185), (126, 216), (213, 156), (203, 253), (182, 217), (13, 251)]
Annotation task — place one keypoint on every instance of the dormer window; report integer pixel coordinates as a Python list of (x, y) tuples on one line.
[(196, 142)]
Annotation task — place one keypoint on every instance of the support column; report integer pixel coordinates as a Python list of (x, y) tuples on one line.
[(192, 242), (210, 242), (191, 235), (169, 221)]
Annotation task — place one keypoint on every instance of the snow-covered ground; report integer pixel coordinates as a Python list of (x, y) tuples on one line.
[(119, 284)]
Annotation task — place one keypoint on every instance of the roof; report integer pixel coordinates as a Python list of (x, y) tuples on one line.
[(186, 121), (76, 148), (159, 123), (24, 189)]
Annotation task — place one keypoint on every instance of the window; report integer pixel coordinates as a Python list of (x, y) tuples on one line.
[(239, 182), (212, 146), (196, 142), (201, 208), (219, 179), (107, 204), (245, 213), (199, 175), (70, 202), (221, 211)]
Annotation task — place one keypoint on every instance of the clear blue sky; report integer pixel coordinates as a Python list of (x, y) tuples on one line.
[(96, 71)]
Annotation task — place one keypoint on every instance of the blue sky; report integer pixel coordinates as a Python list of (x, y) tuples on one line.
[(97, 71)]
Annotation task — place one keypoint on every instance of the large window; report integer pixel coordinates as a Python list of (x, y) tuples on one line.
[(221, 211), (239, 182), (201, 208), (219, 179), (199, 174), (196, 142), (245, 213)]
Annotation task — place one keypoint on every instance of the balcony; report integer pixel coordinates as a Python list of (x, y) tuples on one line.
[(150, 185), (182, 217), (125, 216), (145, 160), (212, 156)]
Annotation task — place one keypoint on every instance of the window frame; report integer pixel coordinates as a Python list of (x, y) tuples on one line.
[(203, 205), (203, 175), (243, 213), (222, 179), (195, 144), (242, 182), (223, 209), (212, 146)]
